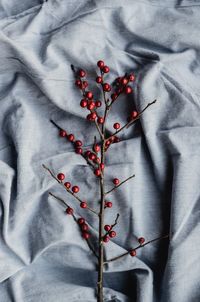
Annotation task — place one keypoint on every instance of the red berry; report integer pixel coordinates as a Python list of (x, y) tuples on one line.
[(102, 166), (97, 160), (133, 253), (62, 133), (128, 90), (98, 103), (67, 184), (107, 227), (134, 114), (96, 148), (78, 143), (106, 69), (100, 120), (61, 176), (87, 153), (69, 211), (97, 172), (85, 84), (124, 81), (108, 204), (86, 235), (75, 189), (108, 143), (99, 80), (116, 181), (116, 126), (79, 150), (113, 96), (106, 238), (92, 156), (93, 115), (81, 220), (83, 205), (82, 73), (91, 105), (84, 227), (112, 234), (70, 137), (83, 103), (89, 95), (100, 64), (141, 240), (131, 77), (106, 87), (78, 83)]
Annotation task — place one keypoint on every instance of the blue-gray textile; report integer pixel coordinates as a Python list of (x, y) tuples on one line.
[(42, 255)]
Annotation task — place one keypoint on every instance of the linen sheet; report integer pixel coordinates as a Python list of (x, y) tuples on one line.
[(42, 255)]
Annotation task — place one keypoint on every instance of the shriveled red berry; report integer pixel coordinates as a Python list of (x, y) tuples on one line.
[(96, 148), (62, 133), (131, 77), (84, 227), (100, 64), (106, 238), (98, 103), (85, 84), (89, 95), (108, 142), (97, 160), (107, 227), (67, 184), (141, 240), (97, 172), (83, 205), (112, 234), (128, 90), (106, 69), (70, 137), (116, 181), (108, 204), (87, 153), (133, 253), (91, 105), (113, 96), (99, 80), (116, 126), (106, 87), (100, 120), (86, 235), (69, 211), (124, 81), (102, 166), (78, 143), (81, 73), (134, 114), (83, 103), (75, 189), (61, 176), (79, 150), (81, 220)]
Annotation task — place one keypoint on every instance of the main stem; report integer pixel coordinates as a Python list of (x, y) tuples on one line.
[(101, 217)]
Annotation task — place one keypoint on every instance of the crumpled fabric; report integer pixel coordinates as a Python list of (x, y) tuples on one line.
[(42, 255)]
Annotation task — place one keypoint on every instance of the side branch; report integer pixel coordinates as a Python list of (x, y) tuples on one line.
[(121, 183), (71, 193), (76, 220), (136, 248)]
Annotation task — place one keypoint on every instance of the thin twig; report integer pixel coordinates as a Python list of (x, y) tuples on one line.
[(121, 183), (71, 193), (113, 225), (76, 220), (136, 248), (128, 124)]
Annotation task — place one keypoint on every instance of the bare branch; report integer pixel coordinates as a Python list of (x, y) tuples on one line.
[(136, 248), (121, 183), (70, 192)]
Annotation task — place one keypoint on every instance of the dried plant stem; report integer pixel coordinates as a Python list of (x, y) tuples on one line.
[(71, 193), (76, 220), (136, 248), (121, 183)]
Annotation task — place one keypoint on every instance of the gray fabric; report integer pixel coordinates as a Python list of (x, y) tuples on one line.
[(42, 255)]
